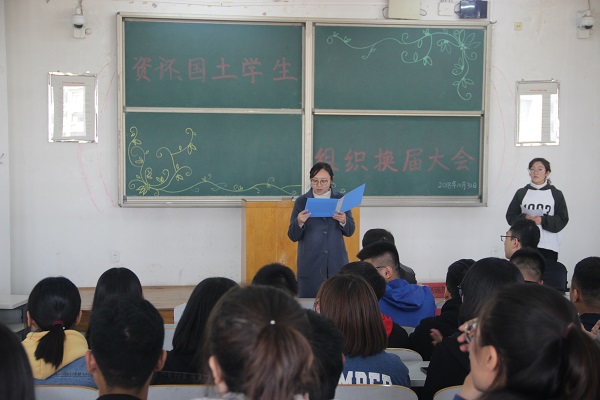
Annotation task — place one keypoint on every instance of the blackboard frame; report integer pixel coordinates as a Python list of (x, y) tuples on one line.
[(309, 112)]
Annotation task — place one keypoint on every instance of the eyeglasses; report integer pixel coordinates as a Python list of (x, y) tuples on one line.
[(317, 305), (504, 237), (471, 330), (319, 182), (537, 170)]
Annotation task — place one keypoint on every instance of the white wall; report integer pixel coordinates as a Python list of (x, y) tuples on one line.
[(63, 197)]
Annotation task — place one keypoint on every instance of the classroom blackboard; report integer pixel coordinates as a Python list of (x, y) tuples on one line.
[(399, 68), (216, 111), (401, 155)]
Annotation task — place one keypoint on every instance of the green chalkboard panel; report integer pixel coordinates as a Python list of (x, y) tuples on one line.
[(173, 154), (401, 156), (399, 68), (189, 63)]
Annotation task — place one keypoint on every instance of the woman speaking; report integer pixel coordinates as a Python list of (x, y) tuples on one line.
[(542, 203), (321, 248)]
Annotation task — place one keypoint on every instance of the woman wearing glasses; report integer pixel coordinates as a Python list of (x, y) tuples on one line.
[(321, 248), (527, 343), (542, 203)]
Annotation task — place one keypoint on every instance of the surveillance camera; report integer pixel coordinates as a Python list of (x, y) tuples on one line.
[(586, 22), (77, 19)]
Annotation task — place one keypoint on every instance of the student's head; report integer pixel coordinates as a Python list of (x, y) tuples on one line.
[(384, 256), (377, 235), (531, 263), (369, 273), (191, 328), (257, 344), (327, 344), (523, 233), (539, 169), (116, 281), (528, 339), (455, 275), (54, 305), (321, 177), (482, 281), (585, 285), (277, 275), (16, 380), (126, 343), (350, 302)]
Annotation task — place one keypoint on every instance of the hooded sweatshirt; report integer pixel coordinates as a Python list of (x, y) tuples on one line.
[(407, 304), (75, 347)]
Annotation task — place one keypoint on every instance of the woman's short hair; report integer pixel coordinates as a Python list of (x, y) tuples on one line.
[(542, 348), (258, 336), (54, 305), (116, 281), (16, 380), (350, 302), (456, 273), (318, 167), (277, 275), (482, 281), (191, 327)]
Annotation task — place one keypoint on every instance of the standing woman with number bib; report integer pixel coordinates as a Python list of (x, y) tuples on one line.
[(321, 248), (542, 203)]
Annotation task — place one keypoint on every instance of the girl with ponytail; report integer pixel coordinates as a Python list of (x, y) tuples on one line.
[(55, 351), (257, 345), (528, 343)]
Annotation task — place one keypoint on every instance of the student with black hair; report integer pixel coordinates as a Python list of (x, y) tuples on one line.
[(16, 381), (125, 347), (383, 235), (396, 335), (116, 281), (527, 343), (277, 275), (449, 366), (523, 233), (447, 322), (585, 291), (531, 263), (327, 343), (182, 363), (407, 304), (56, 352)]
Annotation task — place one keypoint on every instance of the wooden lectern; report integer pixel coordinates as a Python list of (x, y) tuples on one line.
[(265, 239)]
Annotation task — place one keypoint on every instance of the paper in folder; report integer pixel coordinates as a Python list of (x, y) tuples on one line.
[(328, 207)]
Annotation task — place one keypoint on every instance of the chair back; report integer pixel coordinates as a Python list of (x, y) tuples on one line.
[(405, 354), (379, 392), (447, 393), (65, 392), (181, 392)]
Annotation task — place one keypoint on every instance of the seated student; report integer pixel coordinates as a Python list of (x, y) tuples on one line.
[(277, 275), (585, 291), (407, 304), (447, 322), (327, 344), (116, 281), (396, 335), (181, 365), (16, 382), (449, 366), (382, 235), (56, 352), (350, 302), (531, 263), (125, 347), (257, 346), (527, 343)]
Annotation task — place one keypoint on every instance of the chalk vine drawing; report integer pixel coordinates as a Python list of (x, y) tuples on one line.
[(422, 48), (147, 182)]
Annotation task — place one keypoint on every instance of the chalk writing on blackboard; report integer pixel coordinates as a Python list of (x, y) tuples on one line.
[(420, 51), (384, 160), (147, 69), (174, 176)]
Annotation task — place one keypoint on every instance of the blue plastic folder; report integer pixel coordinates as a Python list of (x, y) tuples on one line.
[(328, 207)]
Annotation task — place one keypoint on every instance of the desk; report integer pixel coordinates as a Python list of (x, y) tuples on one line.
[(417, 377), (13, 313)]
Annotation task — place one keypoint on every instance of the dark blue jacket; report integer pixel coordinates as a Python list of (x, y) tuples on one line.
[(321, 248)]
